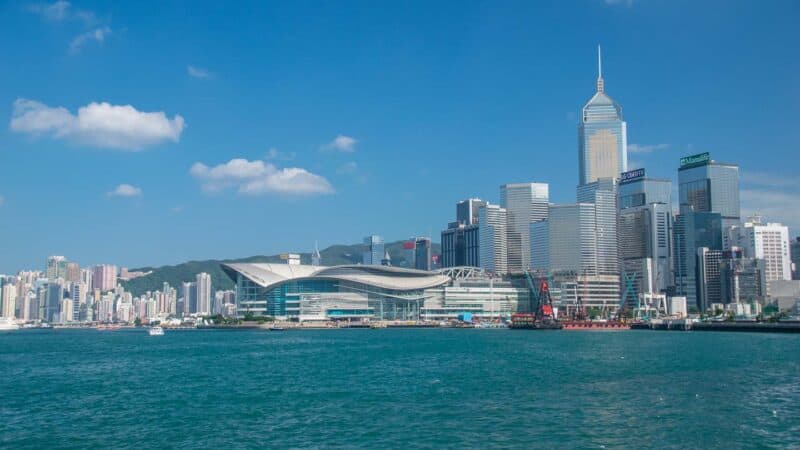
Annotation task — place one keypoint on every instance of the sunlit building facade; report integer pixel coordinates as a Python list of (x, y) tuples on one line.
[(602, 136), (329, 293)]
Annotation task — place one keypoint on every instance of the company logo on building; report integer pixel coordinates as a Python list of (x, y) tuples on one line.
[(695, 160), (631, 175)]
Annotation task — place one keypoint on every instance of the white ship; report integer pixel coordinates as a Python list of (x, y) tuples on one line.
[(155, 331), (7, 324)]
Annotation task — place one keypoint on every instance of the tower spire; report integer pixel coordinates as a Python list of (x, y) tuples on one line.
[(599, 70)]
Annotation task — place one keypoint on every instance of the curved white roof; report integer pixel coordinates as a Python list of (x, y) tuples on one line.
[(385, 277)]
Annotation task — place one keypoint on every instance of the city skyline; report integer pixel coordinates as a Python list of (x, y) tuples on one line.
[(92, 190)]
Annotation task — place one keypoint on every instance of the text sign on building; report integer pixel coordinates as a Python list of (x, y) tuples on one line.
[(631, 175), (695, 159)]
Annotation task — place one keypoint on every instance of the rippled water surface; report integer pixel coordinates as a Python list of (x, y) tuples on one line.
[(398, 388)]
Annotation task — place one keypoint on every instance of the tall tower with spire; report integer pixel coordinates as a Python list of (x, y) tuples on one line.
[(602, 135)]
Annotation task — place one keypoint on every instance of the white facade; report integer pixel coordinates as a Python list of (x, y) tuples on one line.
[(66, 311), (492, 232), (525, 203), (767, 241), (9, 301), (572, 238), (203, 293), (483, 297), (603, 194)]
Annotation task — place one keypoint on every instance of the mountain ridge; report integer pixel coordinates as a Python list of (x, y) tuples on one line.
[(175, 275)]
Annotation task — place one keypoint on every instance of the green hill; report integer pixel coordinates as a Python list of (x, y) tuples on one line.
[(177, 274)]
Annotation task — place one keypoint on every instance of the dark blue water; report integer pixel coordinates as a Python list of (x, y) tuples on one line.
[(398, 388)]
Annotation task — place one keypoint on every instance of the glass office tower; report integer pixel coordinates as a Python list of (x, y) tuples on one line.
[(705, 185), (602, 136), (525, 203), (693, 230)]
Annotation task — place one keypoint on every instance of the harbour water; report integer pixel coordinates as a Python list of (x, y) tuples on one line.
[(398, 388)]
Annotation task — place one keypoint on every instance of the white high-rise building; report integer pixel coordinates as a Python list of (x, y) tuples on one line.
[(8, 295), (524, 203), (767, 241), (573, 243), (603, 194), (492, 235), (66, 311), (203, 293), (78, 293)]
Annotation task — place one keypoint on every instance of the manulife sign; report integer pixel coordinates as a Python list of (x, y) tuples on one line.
[(698, 159)]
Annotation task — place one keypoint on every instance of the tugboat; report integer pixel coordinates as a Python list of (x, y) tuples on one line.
[(543, 318)]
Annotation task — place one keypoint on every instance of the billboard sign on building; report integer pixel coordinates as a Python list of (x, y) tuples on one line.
[(631, 175), (695, 160)]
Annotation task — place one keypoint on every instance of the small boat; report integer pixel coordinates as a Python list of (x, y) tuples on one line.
[(155, 331), (277, 328)]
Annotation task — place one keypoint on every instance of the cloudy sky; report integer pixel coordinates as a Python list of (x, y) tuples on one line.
[(215, 130)]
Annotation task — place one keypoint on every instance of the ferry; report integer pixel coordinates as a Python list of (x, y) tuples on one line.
[(596, 325), (155, 331)]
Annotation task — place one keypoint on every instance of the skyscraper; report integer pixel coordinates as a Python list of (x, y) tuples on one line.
[(645, 232), (524, 203), (635, 189), (189, 292), (492, 234), (422, 253), (705, 185), (467, 211), (8, 296), (375, 250), (203, 293), (602, 136), (645, 237), (603, 194), (709, 283), (795, 253), (56, 267), (692, 231), (573, 255), (52, 304), (104, 277), (767, 241), (460, 241), (573, 244)]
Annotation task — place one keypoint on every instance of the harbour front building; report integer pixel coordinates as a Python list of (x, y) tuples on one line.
[(304, 292), (358, 292)]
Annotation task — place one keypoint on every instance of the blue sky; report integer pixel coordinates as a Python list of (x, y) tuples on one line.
[(149, 134)]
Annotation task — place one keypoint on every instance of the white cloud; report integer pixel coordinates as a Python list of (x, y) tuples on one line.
[(776, 206), (57, 11), (347, 168), (341, 143), (648, 148), (767, 179), (97, 35), (257, 177), (773, 196), (274, 153), (196, 72), (97, 124), (125, 190)]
